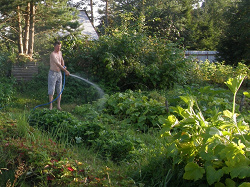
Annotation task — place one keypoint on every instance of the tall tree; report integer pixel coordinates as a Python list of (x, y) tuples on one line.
[(19, 21), (234, 45), (209, 24)]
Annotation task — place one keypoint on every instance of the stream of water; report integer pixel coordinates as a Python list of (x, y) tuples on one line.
[(100, 91)]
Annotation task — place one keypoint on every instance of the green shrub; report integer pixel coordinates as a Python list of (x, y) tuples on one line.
[(88, 132), (5, 62), (7, 91), (114, 145), (128, 60), (217, 72), (140, 110), (215, 149)]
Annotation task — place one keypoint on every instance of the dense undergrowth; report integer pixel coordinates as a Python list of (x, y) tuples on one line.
[(187, 136)]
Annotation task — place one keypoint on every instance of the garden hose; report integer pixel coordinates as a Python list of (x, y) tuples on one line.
[(56, 97)]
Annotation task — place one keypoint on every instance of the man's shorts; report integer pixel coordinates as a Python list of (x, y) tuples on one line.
[(54, 82)]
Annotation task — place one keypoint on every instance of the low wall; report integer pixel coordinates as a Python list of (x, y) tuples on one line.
[(201, 55), (24, 71)]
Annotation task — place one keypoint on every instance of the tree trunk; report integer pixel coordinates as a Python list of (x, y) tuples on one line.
[(32, 29), (27, 29), (20, 37), (106, 13), (92, 14)]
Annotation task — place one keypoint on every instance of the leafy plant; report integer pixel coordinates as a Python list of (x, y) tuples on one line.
[(234, 85), (137, 109), (216, 72), (127, 59), (216, 149), (7, 91)]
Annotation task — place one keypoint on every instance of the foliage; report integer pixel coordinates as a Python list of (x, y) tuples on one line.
[(127, 59), (216, 148), (7, 91), (135, 108), (25, 17), (29, 157), (110, 128), (196, 25), (217, 72), (234, 42), (206, 24), (88, 132), (5, 66), (116, 146), (57, 122)]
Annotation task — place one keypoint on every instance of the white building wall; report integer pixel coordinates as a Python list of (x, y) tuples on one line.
[(201, 55)]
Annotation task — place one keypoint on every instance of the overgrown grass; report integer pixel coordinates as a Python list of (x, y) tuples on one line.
[(38, 150)]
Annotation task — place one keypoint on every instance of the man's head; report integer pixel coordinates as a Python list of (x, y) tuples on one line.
[(57, 45)]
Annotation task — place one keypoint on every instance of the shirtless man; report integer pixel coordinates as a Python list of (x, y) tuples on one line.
[(55, 75)]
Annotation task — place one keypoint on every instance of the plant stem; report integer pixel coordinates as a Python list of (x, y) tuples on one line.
[(234, 103)]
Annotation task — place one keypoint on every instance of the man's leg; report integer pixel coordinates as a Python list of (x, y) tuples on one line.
[(59, 102), (50, 100), (51, 87), (58, 90)]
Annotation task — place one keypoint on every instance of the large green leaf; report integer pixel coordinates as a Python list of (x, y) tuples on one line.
[(193, 171), (241, 172), (235, 83), (245, 184), (230, 183), (219, 184), (213, 175)]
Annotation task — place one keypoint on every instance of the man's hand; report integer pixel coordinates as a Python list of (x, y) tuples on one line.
[(67, 72)]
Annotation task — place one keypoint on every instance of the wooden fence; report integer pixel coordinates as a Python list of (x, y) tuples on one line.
[(24, 71)]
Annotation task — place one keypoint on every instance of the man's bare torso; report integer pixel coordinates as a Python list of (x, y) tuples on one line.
[(55, 60)]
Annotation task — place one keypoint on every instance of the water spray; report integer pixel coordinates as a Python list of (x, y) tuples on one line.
[(100, 91)]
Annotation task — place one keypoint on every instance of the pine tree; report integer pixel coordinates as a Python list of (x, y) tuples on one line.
[(23, 19), (234, 45)]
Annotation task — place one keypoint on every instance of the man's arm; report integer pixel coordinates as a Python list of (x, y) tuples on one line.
[(63, 65), (62, 61)]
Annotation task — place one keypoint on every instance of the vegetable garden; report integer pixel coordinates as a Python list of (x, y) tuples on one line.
[(163, 121)]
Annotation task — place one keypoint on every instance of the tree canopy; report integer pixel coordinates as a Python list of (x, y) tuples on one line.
[(221, 25), (234, 44), (23, 20)]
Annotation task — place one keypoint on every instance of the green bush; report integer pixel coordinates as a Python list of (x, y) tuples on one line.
[(128, 60), (65, 126), (142, 111), (215, 149), (5, 63), (7, 91), (88, 132), (58, 123), (116, 146), (217, 72)]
